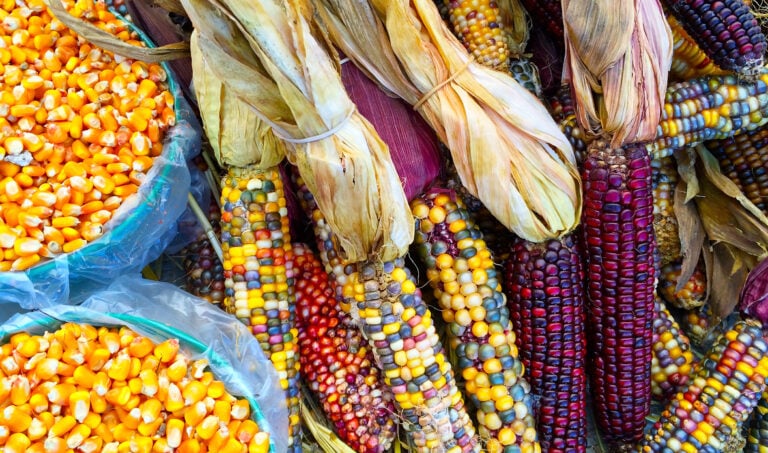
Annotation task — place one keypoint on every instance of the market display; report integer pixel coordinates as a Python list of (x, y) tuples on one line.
[(506, 226)]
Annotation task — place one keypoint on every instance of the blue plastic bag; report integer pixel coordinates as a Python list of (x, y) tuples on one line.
[(160, 311), (136, 235)]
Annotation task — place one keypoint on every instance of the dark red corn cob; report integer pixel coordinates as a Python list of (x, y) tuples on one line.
[(544, 288), (618, 233), (337, 364), (726, 30), (547, 15)]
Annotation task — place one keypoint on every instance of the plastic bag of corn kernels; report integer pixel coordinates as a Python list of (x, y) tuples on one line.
[(161, 311), (140, 229)]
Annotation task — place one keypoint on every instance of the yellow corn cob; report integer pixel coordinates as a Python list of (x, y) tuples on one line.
[(256, 243), (665, 179), (688, 60), (476, 23)]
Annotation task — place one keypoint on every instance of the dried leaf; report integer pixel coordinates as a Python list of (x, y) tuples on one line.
[(728, 277), (173, 6), (692, 234), (110, 42), (686, 167), (516, 25)]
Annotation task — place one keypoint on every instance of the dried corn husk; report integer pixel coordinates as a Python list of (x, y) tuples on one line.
[(507, 149), (236, 133), (516, 23), (618, 55), (267, 54)]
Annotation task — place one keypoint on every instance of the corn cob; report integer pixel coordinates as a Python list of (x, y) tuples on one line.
[(672, 355), (726, 30), (547, 15), (709, 108), (337, 364), (204, 273), (691, 296), (259, 283), (562, 110), (688, 60), (744, 160), (476, 23), (618, 236), (526, 73), (723, 390), (467, 288), (702, 327), (386, 301), (757, 436), (665, 226), (544, 286)]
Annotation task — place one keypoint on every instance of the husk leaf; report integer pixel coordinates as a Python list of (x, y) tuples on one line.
[(618, 55), (340, 157), (237, 135), (516, 24), (508, 151), (692, 234)]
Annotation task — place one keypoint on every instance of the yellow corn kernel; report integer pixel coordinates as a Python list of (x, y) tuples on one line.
[(99, 403), (150, 410), (59, 394), (193, 392), (77, 435), (135, 386), (104, 432), (37, 429), (101, 383), (62, 426), (121, 433), (241, 410), (92, 444), (98, 358), (15, 419), (140, 347), (118, 396), (92, 420), (20, 390), (177, 370), (207, 428), (259, 443), (149, 429), (195, 413), (190, 446), (80, 404), (174, 430), (216, 389), (173, 400), (149, 383), (125, 190), (166, 351), (64, 222), (17, 443), (38, 402)]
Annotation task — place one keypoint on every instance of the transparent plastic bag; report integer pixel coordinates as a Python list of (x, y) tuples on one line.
[(161, 311), (136, 235)]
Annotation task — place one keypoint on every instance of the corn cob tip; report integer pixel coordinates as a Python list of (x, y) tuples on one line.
[(691, 295)]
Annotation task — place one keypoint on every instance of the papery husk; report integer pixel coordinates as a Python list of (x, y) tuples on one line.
[(506, 147), (736, 230), (516, 24), (618, 55), (236, 133), (267, 54)]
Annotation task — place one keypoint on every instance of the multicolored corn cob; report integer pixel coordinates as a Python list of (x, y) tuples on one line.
[(726, 30), (256, 241), (544, 287), (743, 158), (386, 301), (476, 23), (547, 15), (710, 108), (204, 273), (665, 226), (702, 327), (619, 241), (466, 285), (757, 435), (688, 60), (724, 389), (672, 356), (692, 295), (562, 109), (337, 364)]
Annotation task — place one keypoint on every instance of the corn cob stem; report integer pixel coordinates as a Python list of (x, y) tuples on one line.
[(337, 364), (724, 389), (672, 357), (710, 108), (544, 286), (384, 299), (259, 283), (743, 159), (726, 30), (461, 272), (618, 233)]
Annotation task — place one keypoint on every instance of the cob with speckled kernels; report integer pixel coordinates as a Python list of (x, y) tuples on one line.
[(757, 435), (467, 287), (204, 273), (710, 108), (726, 30), (672, 356), (691, 295), (743, 159), (688, 60), (337, 364), (544, 286), (256, 241), (475, 22), (561, 107), (725, 387), (385, 300), (619, 241), (665, 226)]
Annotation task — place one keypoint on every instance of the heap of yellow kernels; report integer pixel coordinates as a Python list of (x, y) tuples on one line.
[(92, 389), (79, 129)]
